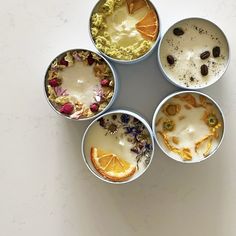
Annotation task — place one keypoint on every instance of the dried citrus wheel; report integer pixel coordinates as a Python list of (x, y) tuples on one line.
[(148, 26), (134, 5), (111, 166)]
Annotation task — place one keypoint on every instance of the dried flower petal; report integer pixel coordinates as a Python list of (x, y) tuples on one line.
[(200, 142), (67, 108), (62, 100), (112, 128), (60, 91), (94, 107), (77, 114), (209, 145), (52, 93), (54, 82), (185, 153), (175, 140), (90, 59), (212, 120), (76, 56), (125, 118), (171, 109), (101, 122), (168, 125), (63, 62), (84, 55), (105, 82)]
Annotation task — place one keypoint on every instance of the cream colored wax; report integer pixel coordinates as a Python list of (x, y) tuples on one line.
[(199, 36)]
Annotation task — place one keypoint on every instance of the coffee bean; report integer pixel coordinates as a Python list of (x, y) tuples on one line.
[(216, 51), (205, 55), (178, 31), (204, 70), (170, 59)]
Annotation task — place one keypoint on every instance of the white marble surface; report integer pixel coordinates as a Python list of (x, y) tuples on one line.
[(46, 189)]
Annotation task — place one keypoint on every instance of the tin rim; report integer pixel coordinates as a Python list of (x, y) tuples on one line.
[(182, 92), (118, 111), (126, 61), (116, 86), (169, 78)]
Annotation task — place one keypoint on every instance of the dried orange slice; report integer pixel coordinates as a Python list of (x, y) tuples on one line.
[(148, 26), (111, 166), (134, 5)]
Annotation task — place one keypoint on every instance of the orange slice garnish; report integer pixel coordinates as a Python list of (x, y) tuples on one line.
[(134, 5), (149, 29), (111, 166), (148, 26)]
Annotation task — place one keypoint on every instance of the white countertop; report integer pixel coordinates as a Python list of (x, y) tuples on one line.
[(45, 187)]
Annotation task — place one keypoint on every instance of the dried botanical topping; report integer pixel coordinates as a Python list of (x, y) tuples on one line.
[(170, 60), (59, 95), (200, 142), (149, 146), (212, 120), (204, 101), (135, 150), (67, 108), (205, 55), (185, 153), (102, 70), (105, 82), (63, 62), (178, 31), (190, 99), (175, 140), (148, 26), (134, 5), (192, 78), (112, 128), (140, 137), (52, 74), (187, 106), (125, 118), (135, 120), (209, 145), (168, 125), (90, 59), (83, 55), (182, 117), (111, 84), (114, 117), (101, 122), (172, 109), (204, 70), (54, 82), (133, 130), (94, 107), (216, 51)]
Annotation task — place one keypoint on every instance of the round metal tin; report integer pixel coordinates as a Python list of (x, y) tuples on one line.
[(87, 159), (163, 70), (178, 93), (130, 61), (116, 87)]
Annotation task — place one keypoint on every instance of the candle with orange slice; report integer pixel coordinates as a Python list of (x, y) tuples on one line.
[(111, 166), (124, 30), (118, 146)]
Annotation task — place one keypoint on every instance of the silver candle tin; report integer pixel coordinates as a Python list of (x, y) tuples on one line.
[(116, 86), (125, 61), (172, 80), (87, 158), (165, 100)]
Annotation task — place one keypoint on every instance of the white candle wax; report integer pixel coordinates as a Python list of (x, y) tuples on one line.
[(199, 36)]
